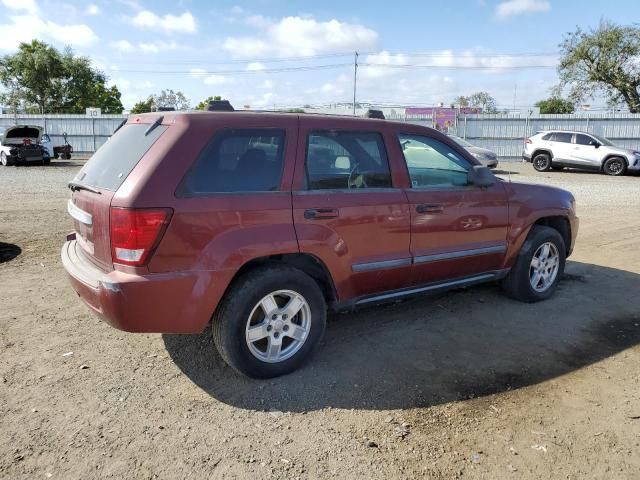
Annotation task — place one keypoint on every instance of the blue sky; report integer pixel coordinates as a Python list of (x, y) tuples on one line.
[(413, 52)]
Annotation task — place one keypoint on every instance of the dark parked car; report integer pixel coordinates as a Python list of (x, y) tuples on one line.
[(260, 222)]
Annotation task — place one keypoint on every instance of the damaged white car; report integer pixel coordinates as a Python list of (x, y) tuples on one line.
[(22, 144)]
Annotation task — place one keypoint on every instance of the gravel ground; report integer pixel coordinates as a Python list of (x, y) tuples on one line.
[(467, 384)]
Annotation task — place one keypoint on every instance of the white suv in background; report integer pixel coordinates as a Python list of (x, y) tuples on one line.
[(557, 149)]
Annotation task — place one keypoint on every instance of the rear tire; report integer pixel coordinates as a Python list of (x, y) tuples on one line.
[(522, 283), (542, 162), (251, 327), (615, 166), (4, 160)]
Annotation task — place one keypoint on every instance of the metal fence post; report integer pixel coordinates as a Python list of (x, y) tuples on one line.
[(93, 132)]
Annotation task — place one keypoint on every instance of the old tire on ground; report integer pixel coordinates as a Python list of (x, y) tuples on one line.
[(615, 166), (538, 267), (270, 321), (542, 162)]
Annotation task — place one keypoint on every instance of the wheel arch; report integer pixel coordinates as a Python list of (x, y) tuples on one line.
[(307, 263), (560, 224), (614, 155), (538, 151)]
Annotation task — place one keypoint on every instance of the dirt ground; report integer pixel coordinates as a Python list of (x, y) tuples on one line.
[(467, 384)]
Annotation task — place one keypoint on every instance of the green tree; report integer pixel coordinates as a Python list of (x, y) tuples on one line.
[(481, 100), (31, 75), (38, 75), (204, 103), (170, 99), (144, 106), (556, 105), (603, 60)]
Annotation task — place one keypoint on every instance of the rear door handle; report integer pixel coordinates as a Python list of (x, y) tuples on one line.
[(429, 208), (320, 213)]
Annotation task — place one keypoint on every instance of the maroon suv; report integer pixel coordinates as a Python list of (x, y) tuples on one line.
[(260, 222)]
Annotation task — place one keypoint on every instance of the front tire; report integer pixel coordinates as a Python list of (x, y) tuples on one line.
[(539, 266), (270, 321), (542, 162), (615, 166)]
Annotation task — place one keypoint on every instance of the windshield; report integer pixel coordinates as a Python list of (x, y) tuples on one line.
[(460, 141), (604, 141)]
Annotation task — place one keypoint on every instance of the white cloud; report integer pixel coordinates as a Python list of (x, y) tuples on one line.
[(28, 6), (184, 23), (157, 47), (122, 45), (297, 36), (255, 66), (24, 28), (268, 84), (210, 79), (93, 9), (215, 80), (511, 8)]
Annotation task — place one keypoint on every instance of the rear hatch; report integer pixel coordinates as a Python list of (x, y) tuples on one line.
[(96, 183), (22, 134)]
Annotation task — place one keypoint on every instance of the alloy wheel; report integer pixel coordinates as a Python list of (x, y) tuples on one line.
[(278, 326), (544, 267)]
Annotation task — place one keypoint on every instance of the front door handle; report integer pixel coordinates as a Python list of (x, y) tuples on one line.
[(429, 208), (320, 213)]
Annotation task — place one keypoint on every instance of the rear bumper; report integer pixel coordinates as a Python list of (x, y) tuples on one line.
[(152, 303), (526, 157)]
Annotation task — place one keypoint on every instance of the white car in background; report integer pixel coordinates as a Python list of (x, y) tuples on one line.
[(21, 144)]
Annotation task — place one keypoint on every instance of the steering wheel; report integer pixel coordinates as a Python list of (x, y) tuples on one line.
[(356, 179)]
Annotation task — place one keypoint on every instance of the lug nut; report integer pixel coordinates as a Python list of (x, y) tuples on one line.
[(269, 328), (286, 328), (276, 335), (274, 316), (284, 317)]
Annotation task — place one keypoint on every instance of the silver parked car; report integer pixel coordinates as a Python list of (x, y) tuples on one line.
[(486, 157), (557, 149)]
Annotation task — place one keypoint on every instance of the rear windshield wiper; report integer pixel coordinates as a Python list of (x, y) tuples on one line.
[(153, 125), (75, 186)]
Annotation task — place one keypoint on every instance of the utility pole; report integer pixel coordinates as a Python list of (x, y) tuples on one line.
[(355, 80)]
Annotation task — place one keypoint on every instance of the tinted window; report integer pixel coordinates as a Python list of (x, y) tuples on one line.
[(583, 139), (343, 160), (562, 137), (433, 163), (247, 160), (547, 136), (113, 162)]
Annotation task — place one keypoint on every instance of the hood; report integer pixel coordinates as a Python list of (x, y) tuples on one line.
[(620, 150), (481, 152), (18, 133)]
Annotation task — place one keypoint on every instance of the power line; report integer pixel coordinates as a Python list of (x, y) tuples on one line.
[(349, 54), (202, 72)]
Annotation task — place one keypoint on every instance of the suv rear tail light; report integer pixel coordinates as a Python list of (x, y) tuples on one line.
[(528, 140), (135, 233)]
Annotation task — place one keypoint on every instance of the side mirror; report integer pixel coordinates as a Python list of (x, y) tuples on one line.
[(481, 176), (594, 143)]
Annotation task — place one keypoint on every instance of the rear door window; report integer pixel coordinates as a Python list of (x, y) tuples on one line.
[(114, 161), (237, 160), (562, 137)]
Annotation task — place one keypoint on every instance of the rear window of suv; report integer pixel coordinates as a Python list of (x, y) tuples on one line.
[(114, 161)]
